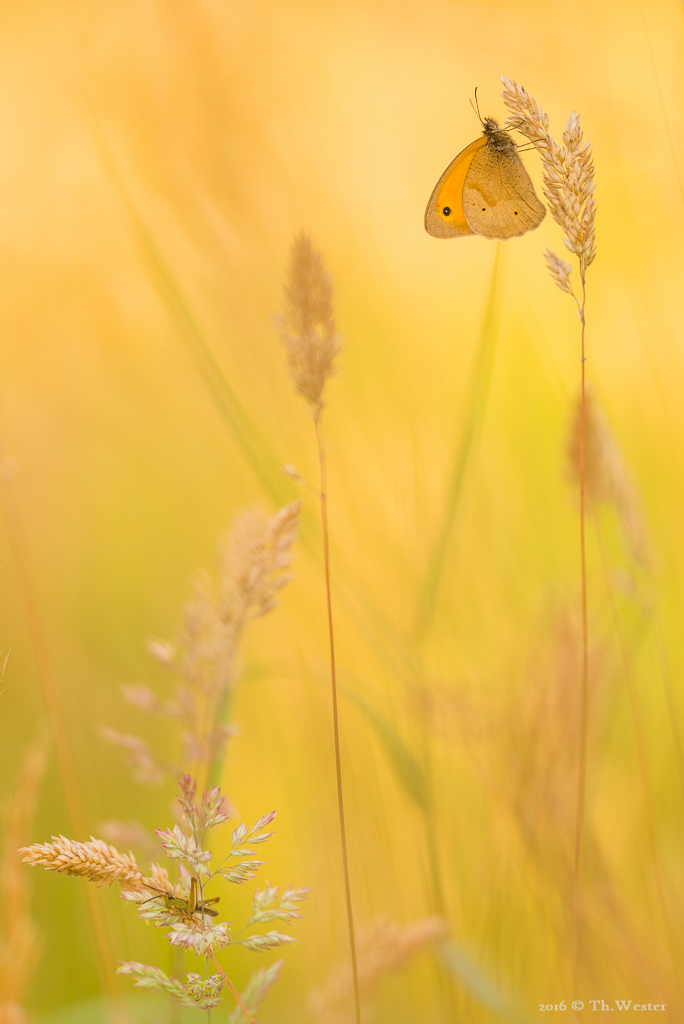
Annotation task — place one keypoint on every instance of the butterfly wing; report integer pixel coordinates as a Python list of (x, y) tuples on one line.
[(448, 195), (499, 200)]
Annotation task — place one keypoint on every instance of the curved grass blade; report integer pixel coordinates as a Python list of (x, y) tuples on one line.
[(406, 767), (261, 458), (483, 988), (477, 404)]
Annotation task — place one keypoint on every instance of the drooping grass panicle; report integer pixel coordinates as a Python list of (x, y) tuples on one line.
[(307, 326), (143, 764), (256, 991), (559, 271), (255, 558), (568, 170), (196, 993), (19, 937), (254, 562)]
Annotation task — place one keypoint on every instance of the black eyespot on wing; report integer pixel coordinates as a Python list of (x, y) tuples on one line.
[(484, 208), (515, 213), (446, 211)]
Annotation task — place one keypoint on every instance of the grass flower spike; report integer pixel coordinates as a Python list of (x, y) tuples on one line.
[(254, 563), (568, 170), (307, 327), (95, 860)]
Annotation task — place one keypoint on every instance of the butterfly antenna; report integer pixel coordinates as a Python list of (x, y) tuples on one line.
[(476, 107)]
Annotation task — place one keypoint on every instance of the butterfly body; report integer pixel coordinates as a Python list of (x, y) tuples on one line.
[(484, 191)]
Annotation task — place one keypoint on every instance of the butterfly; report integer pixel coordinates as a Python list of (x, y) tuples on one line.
[(484, 191)]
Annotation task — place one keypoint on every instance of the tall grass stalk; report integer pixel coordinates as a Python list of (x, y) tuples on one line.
[(584, 694), (308, 331), (568, 177), (323, 487)]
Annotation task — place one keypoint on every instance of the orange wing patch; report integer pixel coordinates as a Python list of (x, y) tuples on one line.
[(444, 216)]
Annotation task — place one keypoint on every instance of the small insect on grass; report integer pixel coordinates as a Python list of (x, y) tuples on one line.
[(188, 907)]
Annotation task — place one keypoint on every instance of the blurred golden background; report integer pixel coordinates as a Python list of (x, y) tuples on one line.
[(156, 161)]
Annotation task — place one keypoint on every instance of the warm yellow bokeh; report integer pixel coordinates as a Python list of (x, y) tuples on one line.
[(156, 161)]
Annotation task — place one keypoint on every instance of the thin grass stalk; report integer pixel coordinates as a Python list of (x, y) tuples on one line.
[(104, 958), (584, 691), (323, 491), (222, 716), (232, 988)]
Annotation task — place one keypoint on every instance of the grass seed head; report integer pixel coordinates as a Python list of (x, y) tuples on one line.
[(95, 860), (568, 171), (307, 327)]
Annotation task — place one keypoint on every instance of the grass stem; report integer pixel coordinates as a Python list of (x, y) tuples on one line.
[(323, 488), (584, 691), (232, 988)]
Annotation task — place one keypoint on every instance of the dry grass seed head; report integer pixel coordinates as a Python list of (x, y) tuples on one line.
[(534, 747), (95, 860), (253, 567), (255, 557), (568, 171), (145, 767), (307, 327), (606, 477), (559, 271), (253, 562)]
